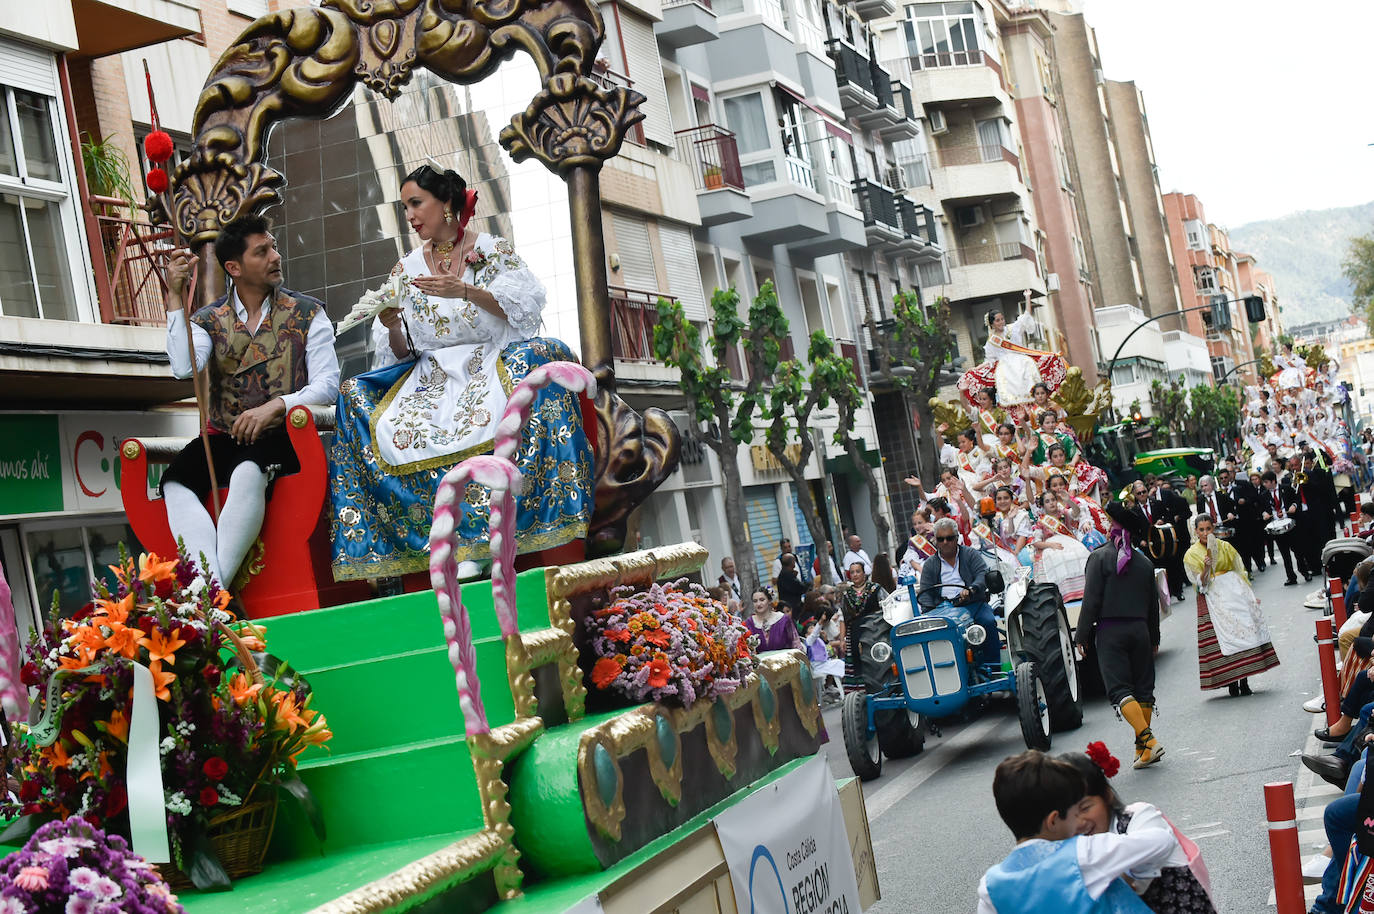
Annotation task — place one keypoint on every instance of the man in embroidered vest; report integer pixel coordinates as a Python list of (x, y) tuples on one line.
[(265, 350)]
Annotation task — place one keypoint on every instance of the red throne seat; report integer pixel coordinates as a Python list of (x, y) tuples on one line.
[(295, 573)]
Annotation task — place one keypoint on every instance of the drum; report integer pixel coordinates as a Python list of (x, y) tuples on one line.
[(1279, 526), (1226, 532), (1162, 544)]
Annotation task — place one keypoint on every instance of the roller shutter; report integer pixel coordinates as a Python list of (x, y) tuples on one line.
[(27, 67), (684, 273), (765, 527), (637, 269), (646, 72)]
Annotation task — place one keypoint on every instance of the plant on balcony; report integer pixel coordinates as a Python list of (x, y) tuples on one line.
[(713, 177), (726, 404), (107, 168)]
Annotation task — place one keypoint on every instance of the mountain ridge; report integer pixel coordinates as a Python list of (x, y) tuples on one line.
[(1303, 252)]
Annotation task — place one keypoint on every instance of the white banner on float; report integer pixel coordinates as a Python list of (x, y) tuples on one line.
[(787, 848)]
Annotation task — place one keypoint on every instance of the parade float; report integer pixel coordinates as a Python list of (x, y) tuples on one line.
[(476, 746)]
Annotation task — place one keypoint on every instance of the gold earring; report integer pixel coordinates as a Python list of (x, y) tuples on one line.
[(448, 216)]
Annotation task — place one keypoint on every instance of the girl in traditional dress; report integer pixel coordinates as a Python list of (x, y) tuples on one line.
[(862, 598), (1010, 368), (1040, 401), (1232, 639), (775, 630), (986, 415), (1059, 557), (1292, 369), (1182, 885), (1012, 529), (445, 362)]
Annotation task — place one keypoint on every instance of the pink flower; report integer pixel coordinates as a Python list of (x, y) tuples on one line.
[(80, 904), (65, 846), (83, 879), (12, 905), (106, 889), (32, 879)]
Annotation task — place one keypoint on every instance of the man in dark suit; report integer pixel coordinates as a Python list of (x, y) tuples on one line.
[(1248, 538), (1317, 510), (1277, 503), (1172, 507), (1216, 504)]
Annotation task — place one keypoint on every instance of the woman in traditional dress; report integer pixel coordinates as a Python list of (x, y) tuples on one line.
[(1232, 639), (862, 598), (1059, 557), (1088, 520), (1040, 401), (986, 415), (445, 362), (775, 630), (1010, 368), (1292, 369)]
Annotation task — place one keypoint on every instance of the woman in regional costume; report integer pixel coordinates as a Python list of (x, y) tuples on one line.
[(1010, 367), (1232, 639), (1292, 369), (775, 629), (1012, 529), (445, 363)]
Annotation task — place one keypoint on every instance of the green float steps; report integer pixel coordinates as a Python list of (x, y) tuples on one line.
[(310, 880), (403, 698), (395, 793)]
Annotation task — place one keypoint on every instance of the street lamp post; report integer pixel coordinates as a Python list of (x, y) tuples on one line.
[(1235, 368)]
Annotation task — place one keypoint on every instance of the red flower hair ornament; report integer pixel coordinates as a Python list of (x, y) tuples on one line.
[(1102, 757)]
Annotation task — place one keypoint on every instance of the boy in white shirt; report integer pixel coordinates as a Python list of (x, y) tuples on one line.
[(1053, 867)]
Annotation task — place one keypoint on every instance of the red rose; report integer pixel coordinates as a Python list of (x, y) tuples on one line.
[(116, 800), (208, 797), (158, 182), (28, 674), (215, 768), (28, 791)]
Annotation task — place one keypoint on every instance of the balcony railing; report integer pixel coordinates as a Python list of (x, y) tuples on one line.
[(882, 86), (712, 155), (877, 203), (634, 314), (668, 3), (976, 155), (973, 255), (917, 221), (135, 255), (850, 351), (851, 67)]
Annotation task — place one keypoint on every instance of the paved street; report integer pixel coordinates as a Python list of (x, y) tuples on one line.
[(935, 829)]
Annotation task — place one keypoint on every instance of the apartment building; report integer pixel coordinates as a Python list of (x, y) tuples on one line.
[(82, 338), (1251, 280)]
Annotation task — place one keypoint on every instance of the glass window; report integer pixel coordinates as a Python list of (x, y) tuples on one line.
[(60, 572), (36, 129), (744, 115), (38, 224)]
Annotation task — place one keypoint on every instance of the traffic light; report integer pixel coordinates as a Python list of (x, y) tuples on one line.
[(1221, 313), (1254, 308)]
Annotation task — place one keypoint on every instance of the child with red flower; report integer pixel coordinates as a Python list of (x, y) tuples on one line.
[(1181, 884)]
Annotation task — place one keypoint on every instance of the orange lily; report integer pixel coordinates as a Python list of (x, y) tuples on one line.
[(85, 656), (86, 638), (57, 754), (112, 611), (118, 726), (123, 640), (161, 680), (160, 646), (242, 689), (222, 599), (289, 711), (151, 568)]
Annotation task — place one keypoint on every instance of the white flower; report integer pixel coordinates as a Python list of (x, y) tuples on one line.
[(77, 762), (83, 879), (167, 745), (80, 904), (227, 797), (12, 906), (106, 889), (178, 804), (66, 846)]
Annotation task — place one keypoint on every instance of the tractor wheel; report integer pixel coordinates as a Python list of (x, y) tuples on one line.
[(1031, 706), (865, 754), (1047, 639), (901, 734)]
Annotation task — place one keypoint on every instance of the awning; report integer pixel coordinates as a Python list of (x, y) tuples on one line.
[(104, 28), (831, 127)]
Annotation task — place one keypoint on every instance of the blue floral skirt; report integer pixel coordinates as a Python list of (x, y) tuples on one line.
[(379, 522)]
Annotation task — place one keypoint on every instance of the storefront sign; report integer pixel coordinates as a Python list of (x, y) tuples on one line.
[(30, 465), (787, 848), (764, 459)]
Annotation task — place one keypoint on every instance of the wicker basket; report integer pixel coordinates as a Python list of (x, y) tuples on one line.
[(238, 838)]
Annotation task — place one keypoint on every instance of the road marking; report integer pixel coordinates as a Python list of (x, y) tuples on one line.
[(1210, 834), (932, 760)]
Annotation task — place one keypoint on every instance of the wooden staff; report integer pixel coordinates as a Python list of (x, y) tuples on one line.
[(198, 383)]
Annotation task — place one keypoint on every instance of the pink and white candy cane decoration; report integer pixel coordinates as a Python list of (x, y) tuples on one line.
[(568, 375), (503, 479), (13, 699), (499, 474)]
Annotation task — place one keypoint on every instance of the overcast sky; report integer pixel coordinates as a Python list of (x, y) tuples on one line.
[(1256, 107)]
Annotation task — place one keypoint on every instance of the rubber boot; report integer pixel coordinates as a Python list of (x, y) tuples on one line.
[(1148, 708), (1134, 715)]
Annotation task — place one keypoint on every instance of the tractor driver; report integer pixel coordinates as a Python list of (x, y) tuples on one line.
[(957, 574)]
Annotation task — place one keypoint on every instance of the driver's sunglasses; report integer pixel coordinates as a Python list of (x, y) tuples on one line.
[(945, 539)]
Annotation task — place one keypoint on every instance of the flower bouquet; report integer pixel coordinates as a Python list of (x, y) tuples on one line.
[(670, 643), (374, 301), (72, 867), (231, 720)]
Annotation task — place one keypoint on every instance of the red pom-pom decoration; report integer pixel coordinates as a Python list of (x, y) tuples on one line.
[(158, 182), (1102, 757), (158, 147)]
